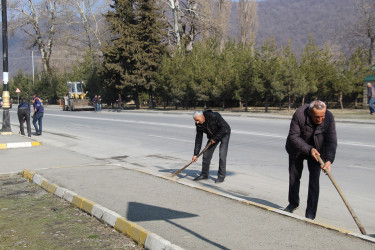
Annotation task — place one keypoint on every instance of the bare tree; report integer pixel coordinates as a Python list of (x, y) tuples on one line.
[(89, 20), (224, 8), (365, 26), (39, 20), (248, 21)]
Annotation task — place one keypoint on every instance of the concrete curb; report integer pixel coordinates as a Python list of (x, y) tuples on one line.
[(19, 145), (261, 206), (142, 236)]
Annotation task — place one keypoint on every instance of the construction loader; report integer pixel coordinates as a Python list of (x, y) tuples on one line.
[(75, 98)]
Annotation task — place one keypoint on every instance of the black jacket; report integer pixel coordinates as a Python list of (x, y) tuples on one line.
[(304, 135), (215, 127)]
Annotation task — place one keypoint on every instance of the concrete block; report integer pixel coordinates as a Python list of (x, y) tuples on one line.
[(38, 179), (87, 205), (138, 233), (123, 225), (60, 192), (77, 201), (68, 195), (110, 217), (155, 242), (98, 211)]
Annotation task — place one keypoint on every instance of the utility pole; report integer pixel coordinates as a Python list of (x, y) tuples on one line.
[(6, 118)]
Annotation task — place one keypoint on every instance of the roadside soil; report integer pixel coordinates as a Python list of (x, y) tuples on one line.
[(32, 218)]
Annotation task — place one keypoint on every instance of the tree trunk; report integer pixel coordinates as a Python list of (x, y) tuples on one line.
[(340, 100), (266, 104)]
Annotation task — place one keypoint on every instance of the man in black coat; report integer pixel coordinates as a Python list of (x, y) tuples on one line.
[(218, 131), (312, 133), (23, 114)]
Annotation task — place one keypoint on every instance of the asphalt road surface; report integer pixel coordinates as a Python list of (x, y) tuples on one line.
[(257, 166)]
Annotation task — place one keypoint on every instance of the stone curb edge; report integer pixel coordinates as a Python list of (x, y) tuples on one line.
[(264, 207), (142, 236), (18, 144)]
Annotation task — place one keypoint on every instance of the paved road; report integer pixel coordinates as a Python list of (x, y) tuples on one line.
[(161, 143)]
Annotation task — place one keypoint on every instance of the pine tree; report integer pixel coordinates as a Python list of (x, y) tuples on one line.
[(150, 30)]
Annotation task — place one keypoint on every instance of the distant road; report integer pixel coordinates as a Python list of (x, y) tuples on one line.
[(159, 142)]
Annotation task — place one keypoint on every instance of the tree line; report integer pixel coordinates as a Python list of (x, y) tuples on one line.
[(148, 60)]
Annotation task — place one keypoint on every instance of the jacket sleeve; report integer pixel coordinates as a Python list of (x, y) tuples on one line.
[(294, 137), (223, 126), (330, 141), (198, 140)]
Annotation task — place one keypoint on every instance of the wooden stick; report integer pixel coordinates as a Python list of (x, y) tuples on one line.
[(361, 228), (182, 169)]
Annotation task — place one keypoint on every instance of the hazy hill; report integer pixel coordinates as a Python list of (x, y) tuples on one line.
[(326, 20)]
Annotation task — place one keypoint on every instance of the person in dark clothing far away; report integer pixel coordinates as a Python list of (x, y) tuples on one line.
[(371, 97), (23, 114), (218, 131), (119, 103), (312, 133)]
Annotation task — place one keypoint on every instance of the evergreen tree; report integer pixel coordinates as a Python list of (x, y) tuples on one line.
[(151, 33), (120, 54)]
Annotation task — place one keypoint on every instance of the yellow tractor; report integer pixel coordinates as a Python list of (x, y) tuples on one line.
[(76, 99)]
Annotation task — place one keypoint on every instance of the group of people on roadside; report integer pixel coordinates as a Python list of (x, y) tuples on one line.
[(23, 114), (312, 134), (97, 103)]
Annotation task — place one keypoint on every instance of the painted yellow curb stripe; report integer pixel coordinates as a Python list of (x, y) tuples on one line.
[(51, 188), (136, 232), (87, 205), (123, 225), (77, 201), (36, 143)]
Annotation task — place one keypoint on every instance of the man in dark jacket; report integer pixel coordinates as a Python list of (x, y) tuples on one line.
[(38, 114), (218, 131), (371, 97), (23, 114), (312, 133)]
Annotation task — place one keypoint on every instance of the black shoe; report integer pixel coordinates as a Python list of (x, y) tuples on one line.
[(201, 177), (38, 133), (310, 216), (219, 180), (290, 208)]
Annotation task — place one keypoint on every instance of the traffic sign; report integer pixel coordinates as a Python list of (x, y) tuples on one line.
[(18, 90)]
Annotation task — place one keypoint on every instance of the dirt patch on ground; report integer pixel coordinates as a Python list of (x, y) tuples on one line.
[(32, 218)]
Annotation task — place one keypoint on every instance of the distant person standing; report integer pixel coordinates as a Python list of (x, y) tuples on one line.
[(38, 114), (23, 114), (371, 97), (312, 133), (119, 103), (95, 103), (99, 103)]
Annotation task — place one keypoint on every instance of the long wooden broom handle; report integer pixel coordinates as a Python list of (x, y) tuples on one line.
[(182, 169), (361, 228)]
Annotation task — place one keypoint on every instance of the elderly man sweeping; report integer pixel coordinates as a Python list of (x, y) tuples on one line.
[(218, 132)]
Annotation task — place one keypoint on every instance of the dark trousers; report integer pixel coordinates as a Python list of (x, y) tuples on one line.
[(295, 173), (24, 114), (38, 117), (207, 156)]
